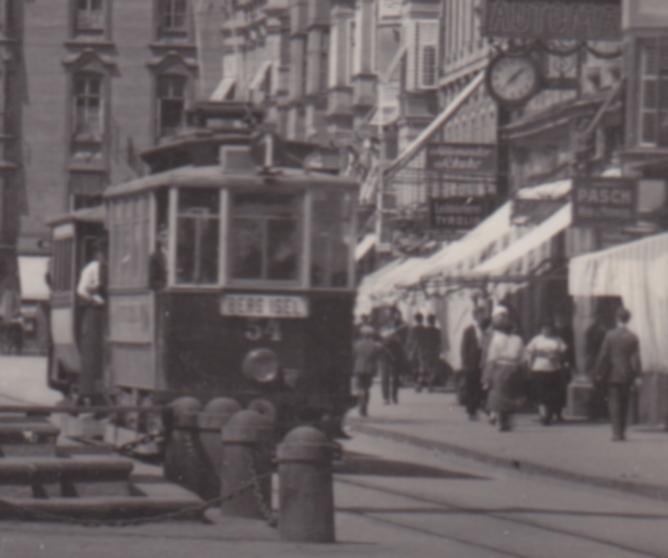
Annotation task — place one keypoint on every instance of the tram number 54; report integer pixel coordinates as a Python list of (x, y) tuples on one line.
[(263, 330)]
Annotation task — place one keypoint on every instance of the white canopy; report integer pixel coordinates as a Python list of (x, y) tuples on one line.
[(637, 273)]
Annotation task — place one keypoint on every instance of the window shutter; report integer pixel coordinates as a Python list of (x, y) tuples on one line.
[(413, 47)]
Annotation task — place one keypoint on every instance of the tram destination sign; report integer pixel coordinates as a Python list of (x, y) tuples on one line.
[(457, 213), (264, 306), (603, 201), (582, 20)]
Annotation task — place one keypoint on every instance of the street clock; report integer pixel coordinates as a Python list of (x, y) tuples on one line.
[(512, 79)]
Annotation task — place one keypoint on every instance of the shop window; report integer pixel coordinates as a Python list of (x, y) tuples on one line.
[(171, 104), (172, 18), (89, 17), (197, 236), (88, 106), (653, 105), (266, 241)]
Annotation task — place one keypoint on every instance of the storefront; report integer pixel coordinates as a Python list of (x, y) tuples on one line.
[(635, 273)]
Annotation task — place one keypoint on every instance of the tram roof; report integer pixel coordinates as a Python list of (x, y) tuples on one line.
[(217, 176), (86, 215)]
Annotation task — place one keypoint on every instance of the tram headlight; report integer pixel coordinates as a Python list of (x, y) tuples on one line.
[(261, 365)]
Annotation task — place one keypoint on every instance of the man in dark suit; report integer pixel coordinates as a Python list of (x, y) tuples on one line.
[(618, 364), (471, 355)]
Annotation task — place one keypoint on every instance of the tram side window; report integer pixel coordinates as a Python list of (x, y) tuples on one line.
[(61, 273), (330, 239), (266, 236), (197, 236), (129, 230)]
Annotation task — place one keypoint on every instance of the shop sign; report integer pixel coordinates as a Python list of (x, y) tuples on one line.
[(389, 8), (645, 14), (601, 201), (457, 213), (583, 20), (462, 158), (531, 211)]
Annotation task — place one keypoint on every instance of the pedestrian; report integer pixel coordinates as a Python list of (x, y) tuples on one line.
[(366, 353), (562, 326), (433, 365), (417, 354), (593, 341), (617, 367), (502, 374), (471, 356), (389, 362), (545, 356)]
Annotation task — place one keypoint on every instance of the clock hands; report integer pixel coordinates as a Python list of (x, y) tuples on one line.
[(513, 78)]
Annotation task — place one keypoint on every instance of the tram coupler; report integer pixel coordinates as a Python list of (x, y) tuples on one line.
[(245, 475), (306, 494), (210, 422)]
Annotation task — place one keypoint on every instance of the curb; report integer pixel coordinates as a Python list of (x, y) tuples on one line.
[(656, 492)]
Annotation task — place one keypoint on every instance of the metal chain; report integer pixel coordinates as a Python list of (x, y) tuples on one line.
[(186, 511), (265, 507)]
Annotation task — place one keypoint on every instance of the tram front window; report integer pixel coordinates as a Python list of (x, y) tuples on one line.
[(197, 236), (266, 236), (330, 239)]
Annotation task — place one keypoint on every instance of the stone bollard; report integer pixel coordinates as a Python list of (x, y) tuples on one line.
[(246, 455), (183, 454), (210, 422), (306, 494)]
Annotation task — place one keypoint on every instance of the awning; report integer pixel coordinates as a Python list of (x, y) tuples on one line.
[(32, 275), (223, 89), (518, 252), (364, 246), (636, 272), (260, 75)]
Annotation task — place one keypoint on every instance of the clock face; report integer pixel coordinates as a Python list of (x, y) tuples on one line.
[(513, 79)]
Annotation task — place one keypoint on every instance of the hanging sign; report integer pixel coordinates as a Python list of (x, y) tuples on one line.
[(603, 201), (583, 20), (462, 158), (457, 213)]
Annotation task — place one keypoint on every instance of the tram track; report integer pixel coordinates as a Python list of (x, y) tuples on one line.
[(451, 506)]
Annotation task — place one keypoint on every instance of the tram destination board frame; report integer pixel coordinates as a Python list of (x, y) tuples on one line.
[(581, 20)]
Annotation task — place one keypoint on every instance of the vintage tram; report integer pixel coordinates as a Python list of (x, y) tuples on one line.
[(230, 273)]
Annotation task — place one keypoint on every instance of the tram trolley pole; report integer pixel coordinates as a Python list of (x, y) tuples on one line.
[(247, 447), (306, 494)]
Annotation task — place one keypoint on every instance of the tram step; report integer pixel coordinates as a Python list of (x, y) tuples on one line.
[(28, 437), (105, 508)]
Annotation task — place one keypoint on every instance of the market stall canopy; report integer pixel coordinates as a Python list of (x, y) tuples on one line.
[(32, 275), (637, 273), (364, 245)]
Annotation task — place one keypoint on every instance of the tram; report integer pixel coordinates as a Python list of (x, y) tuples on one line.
[(230, 273)]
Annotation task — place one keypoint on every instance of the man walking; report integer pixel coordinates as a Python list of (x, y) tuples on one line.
[(471, 355), (618, 364), (366, 353)]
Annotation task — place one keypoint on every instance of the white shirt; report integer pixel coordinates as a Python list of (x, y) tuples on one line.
[(544, 354), (89, 283), (506, 347)]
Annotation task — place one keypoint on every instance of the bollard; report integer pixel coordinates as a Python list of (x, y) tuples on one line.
[(246, 442), (306, 494), (210, 422), (183, 454)]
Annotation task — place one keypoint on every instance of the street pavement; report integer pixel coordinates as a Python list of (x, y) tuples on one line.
[(575, 450), (407, 486)]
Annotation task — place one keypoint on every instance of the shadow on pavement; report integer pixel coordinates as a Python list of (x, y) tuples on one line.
[(361, 464)]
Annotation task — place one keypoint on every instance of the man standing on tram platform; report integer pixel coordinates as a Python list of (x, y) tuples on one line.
[(92, 292)]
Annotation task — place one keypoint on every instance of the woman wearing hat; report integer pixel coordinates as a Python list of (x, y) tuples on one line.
[(503, 369)]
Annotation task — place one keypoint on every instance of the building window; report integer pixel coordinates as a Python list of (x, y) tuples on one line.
[(89, 17), (323, 67), (172, 18), (171, 100), (428, 66), (88, 97), (653, 105)]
